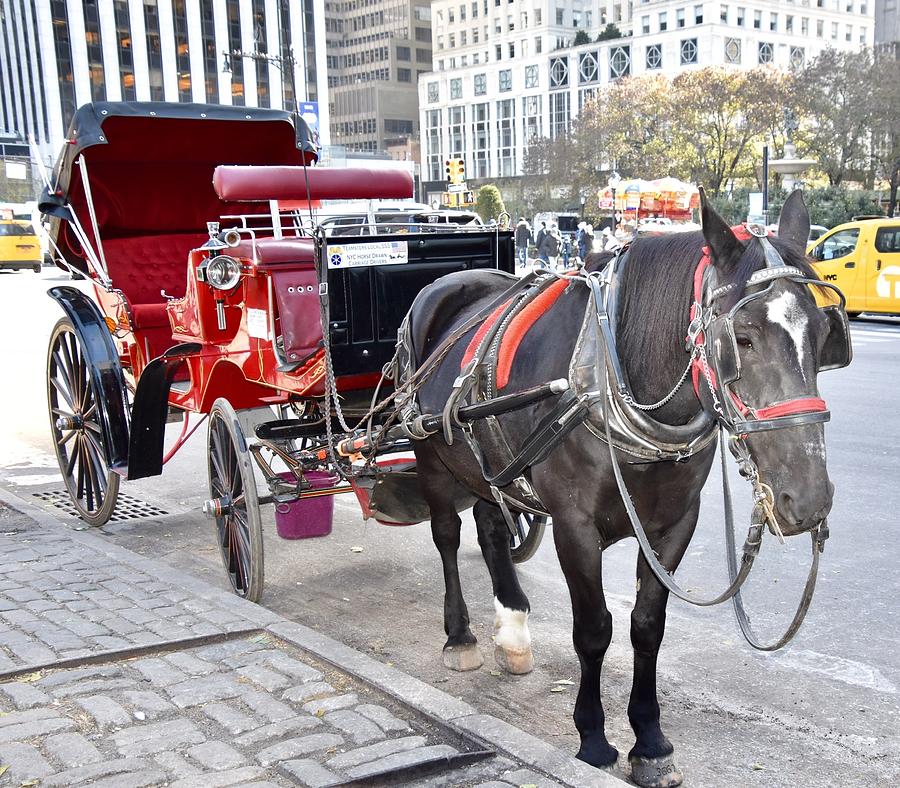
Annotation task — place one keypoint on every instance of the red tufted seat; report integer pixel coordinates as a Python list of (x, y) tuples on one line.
[(142, 266)]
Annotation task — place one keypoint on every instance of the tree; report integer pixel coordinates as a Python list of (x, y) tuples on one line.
[(836, 93), (489, 203), (581, 37), (886, 124), (725, 114), (609, 32)]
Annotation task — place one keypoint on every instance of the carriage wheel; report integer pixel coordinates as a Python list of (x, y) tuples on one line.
[(233, 502), (529, 532), (75, 426)]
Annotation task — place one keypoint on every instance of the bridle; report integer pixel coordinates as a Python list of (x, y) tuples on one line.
[(710, 330)]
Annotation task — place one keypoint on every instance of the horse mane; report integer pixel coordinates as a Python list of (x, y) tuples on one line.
[(656, 289)]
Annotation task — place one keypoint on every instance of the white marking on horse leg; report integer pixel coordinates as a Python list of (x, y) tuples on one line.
[(785, 311), (512, 640), (511, 627)]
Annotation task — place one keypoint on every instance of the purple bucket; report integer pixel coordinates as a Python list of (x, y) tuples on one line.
[(306, 517)]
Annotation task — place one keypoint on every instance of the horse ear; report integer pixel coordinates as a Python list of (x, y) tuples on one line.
[(725, 249), (793, 224)]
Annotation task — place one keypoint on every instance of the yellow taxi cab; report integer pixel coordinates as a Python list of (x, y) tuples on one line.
[(19, 246), (862, 258)]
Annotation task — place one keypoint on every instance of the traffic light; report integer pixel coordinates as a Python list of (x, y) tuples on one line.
[(456, 170)]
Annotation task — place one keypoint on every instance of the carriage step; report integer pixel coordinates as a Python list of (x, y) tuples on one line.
[(292, 429)]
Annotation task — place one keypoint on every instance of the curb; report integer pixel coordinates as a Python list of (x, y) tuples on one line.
[(420, 697)]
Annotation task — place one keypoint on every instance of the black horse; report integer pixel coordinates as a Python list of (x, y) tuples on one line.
[(778, 338)]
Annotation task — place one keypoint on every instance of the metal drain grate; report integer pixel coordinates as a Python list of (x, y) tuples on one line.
[(127, 508)]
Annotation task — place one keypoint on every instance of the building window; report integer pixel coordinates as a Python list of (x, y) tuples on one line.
[(210, 53), (538, 44), (559, 114), (773, 22), (456, 88), (663, 23), (689, 51), (404, 53), (645, 25), (456, 121), (559, 16), (757, 20), (804, 26), (62, 45), (740, 17), (94, 50), (848, 35), (404, 75), (234, 42), (498, 52), (654, 56), (788, 23), (559, 72), (432, 92), (40, 72), (480, 84), (506, 136), (423, 56), (531, 76), (766, 52), (588, 67), (263, 97), (154, 50), (723, 13), (126, 56), (698, 14), (620, 62), (797, 57), (531, 110), (584, 96), (679, 18), (481, 140), (433, 145), (505, 80), (733, 50)]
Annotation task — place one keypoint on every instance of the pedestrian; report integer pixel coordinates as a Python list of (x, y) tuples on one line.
[(566, 251), (580, 242), (589, 238), (549, 246), (523, 238), (539, 238)]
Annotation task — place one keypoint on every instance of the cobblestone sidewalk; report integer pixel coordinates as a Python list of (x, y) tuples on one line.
[(115, 671)]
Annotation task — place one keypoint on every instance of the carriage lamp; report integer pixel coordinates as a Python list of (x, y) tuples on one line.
[(222, 272)]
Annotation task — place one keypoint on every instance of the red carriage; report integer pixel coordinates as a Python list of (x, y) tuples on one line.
[(263, 310)]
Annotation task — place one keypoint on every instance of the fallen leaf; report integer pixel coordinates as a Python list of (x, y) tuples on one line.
[(495, 672), (567, 682), (528, 785), (757, 767), (30, 676), (557, 689), (356, 549), (344, 599), (320, 713), (3, 769)]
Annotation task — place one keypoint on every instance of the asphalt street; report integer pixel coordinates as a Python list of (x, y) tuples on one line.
[(822, 711)]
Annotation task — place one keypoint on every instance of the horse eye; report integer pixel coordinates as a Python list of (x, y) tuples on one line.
[(744, 341)]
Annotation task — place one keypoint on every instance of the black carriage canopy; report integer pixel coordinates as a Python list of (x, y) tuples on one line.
[(150, 166)]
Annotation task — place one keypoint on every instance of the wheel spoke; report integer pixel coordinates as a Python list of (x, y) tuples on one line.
[(89, 412), (95, 450), (73, 457), (93, 427), (79, 494), (65, 393), (216, 456), (66, 438)]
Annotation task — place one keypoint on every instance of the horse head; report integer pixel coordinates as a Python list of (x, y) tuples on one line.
[(768, 338)]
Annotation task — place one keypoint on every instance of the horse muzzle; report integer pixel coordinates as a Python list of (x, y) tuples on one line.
[(802, 509)]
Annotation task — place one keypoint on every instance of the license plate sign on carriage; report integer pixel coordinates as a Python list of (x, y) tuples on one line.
[(363, 255)]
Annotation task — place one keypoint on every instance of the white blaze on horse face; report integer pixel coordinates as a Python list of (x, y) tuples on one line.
[(511, 628), (785, 311)]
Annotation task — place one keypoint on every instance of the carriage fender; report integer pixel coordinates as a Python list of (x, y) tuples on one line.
[(103, 365)]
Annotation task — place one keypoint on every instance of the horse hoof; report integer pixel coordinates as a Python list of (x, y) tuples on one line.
[(463, 657), (515, 661), (655, 772)]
